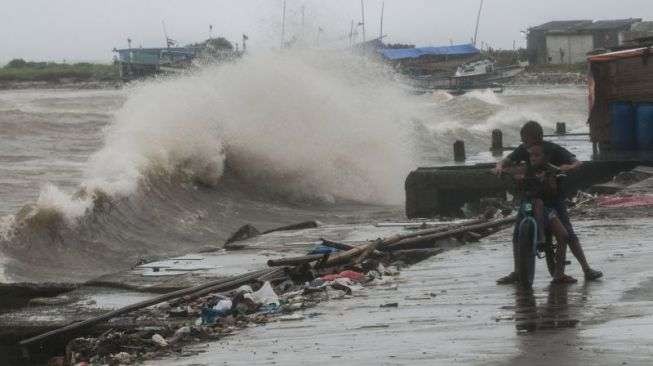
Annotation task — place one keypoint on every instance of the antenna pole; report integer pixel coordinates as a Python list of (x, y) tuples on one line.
[(478, 20), (363, 18), (381, 30), (283, 23)]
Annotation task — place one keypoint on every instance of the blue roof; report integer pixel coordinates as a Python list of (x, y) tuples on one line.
[(403, 53)]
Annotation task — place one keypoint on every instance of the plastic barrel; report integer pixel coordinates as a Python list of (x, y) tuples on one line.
[(623, 133), (645, 126)]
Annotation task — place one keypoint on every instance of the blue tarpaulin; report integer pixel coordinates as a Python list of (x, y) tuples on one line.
[(403, 53)]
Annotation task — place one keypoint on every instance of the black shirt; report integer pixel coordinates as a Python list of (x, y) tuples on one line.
[(556, 154)]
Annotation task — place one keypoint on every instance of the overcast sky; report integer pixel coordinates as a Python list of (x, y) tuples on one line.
[(87, 30)]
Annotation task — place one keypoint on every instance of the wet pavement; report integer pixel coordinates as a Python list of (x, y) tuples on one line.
[(450, 311)]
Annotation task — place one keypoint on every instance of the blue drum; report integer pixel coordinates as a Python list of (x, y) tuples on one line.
[(623, 134), (644, 126)]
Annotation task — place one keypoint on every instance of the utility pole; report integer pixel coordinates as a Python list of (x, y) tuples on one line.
[(363, 18), (319, 32), (478, 20), (303, 21), (283, 24), (381, 30), (351, 34), (210, 31)]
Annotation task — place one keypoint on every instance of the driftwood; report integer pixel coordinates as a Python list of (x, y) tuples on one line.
[(248, 231), (295, 261), (200, 290), (427, 240), (299, 226)]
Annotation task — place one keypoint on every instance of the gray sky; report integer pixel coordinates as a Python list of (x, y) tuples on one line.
[(88, 29)]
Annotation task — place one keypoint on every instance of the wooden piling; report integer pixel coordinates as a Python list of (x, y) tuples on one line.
[(497, 142), (459, 151)]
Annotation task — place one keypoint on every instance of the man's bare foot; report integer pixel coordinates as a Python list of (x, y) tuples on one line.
[(507, 280), (565, 279), (593, 275)]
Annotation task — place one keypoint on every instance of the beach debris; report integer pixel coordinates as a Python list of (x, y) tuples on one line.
[(159, 340), (248, 231), (352, 275), (390, 305), (292, 317), (221, 307)]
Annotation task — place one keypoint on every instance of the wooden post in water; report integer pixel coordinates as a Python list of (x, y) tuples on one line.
[(561, 128), (459, 151), (497, 142)]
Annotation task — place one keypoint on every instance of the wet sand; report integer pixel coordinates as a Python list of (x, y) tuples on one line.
[(452, 312)]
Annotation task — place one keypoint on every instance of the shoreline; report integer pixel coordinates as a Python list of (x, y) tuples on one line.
[(527, 78), (63, 83)]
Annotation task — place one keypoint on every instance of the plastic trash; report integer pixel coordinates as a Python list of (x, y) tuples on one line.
[(222, 308), (323, 249), (291, 317), (352, 275), (159, 340), (266, 295)]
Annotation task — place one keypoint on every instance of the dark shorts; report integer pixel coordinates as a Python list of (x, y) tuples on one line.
[(551, 210)]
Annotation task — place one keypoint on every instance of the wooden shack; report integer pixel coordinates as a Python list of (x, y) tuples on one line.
[(625, 75)]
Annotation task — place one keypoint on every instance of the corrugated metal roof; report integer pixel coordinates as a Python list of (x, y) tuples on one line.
[(611, 56), (611, 24), (561, 25), (564, 26), (405, 53)]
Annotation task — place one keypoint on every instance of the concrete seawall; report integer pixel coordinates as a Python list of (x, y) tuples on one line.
[(444, 190)]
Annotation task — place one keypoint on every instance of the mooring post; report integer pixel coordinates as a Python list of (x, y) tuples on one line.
[(561, 128), (459, 150), (497, 142)]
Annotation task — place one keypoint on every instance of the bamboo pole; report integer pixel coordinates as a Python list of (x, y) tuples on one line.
[(447, 234), (213, 286)]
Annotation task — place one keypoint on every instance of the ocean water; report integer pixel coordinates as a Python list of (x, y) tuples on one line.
[(93, 180)]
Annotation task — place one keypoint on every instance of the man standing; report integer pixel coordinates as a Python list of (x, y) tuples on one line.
[(532, 134)]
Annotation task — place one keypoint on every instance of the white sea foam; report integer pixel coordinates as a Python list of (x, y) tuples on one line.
[(317, 124)]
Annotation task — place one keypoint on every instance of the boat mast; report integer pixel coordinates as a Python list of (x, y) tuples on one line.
[(165, 33), (381, 30), (283, 23), (363, 18), (478, 20)]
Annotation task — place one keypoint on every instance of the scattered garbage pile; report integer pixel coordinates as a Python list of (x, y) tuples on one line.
[(162, 326), (627, 190)]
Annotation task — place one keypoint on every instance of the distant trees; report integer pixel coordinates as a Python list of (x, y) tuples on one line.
[(219, 43), (16, 63)]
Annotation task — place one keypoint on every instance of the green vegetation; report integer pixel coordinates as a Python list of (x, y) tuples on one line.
[(21, 70)]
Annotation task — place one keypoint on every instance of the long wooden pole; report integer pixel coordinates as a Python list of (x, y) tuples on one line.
[(449, 233), (209, 287)]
